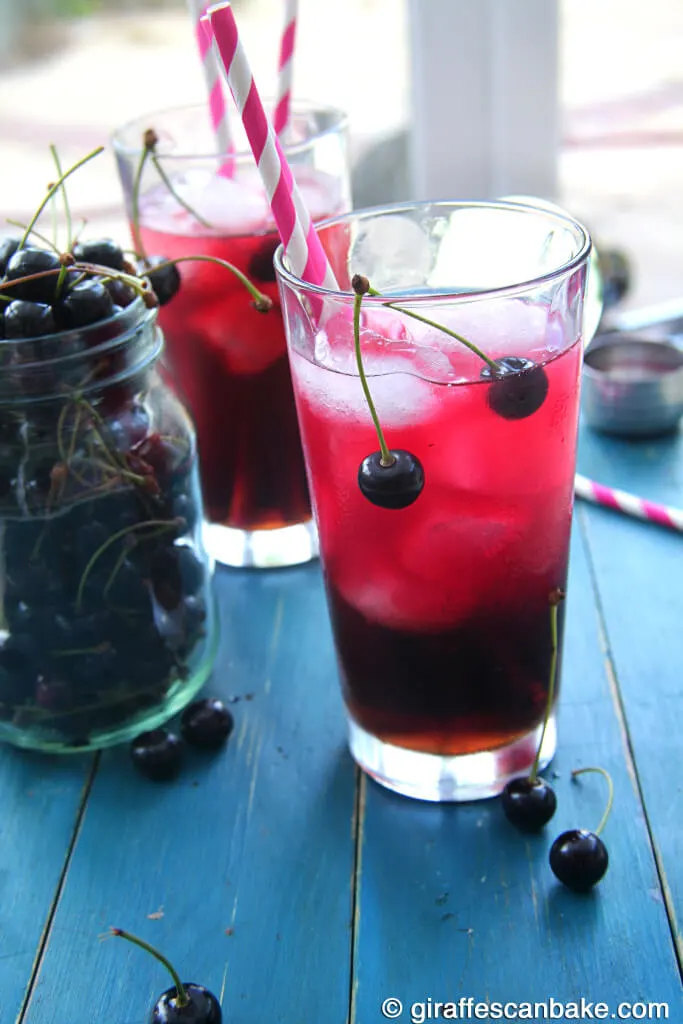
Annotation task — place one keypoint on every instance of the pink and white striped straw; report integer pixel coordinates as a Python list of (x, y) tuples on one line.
[(305, 254), (218, 110), (629, 504), (285, 69)]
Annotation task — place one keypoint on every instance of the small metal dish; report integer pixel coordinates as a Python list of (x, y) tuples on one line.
[(632, 385)]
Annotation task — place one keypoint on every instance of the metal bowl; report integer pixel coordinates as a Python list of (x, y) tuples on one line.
[(632, 385)]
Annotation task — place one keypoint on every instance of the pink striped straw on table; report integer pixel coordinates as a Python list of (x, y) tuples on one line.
[(285, 69), (629, 504), (217, 106), (304, 251)]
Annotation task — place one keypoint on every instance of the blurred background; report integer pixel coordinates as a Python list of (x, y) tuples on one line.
[(73, 70)]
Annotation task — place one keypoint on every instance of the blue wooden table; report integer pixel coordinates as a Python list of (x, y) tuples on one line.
[(299, 891)]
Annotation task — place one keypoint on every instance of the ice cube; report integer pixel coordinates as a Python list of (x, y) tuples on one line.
[(230, 204), (392, 251), (401, 398)]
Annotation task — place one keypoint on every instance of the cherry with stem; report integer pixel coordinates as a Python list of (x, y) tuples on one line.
[(388, 478), (530, 802), (184, 1002), (579, 858)]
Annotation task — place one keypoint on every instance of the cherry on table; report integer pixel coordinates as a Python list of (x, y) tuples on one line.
[(158, 754), (24, 319), (165, 281), (33, 261), (102, 251), (579, 859), (518, 388), (393, 486), (202, 1007), (206, 723), (184, 1003), (529, 803)]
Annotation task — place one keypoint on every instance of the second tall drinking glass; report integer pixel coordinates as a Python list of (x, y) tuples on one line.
[(228, 360)]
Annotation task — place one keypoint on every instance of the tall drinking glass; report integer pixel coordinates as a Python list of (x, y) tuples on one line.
[(441, 611), (228, 360)]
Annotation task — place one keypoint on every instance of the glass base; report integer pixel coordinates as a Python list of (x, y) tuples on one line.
[(262, 549), (449, 778)]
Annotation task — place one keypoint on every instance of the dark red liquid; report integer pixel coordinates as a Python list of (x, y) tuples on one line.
[(441, 611), (476, 686), (229, 364)]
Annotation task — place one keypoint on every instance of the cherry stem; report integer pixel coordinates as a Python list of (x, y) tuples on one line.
[(610, 785), (439, 327), (182, 996), (387, 458), (65, 198), (42, 238), (167, 524), (555, 598), (262, 302), (179, 199), (53, 189), (135, 202), (87, 268)]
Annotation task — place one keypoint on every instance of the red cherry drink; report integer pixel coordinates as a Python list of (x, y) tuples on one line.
[(227, 359)]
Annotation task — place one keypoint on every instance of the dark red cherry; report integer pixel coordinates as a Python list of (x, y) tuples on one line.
[(30, 261), (395, 486), (8, 247), (518, 389), (165, 281), (157, 754), (102, 251), (28, 320), (261, 267), (206, 723), (85, 304), (529, 803), (202, 1007), (579, 859)]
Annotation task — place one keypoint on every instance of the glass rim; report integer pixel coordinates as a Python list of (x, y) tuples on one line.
[(340, 120), (555, 214)]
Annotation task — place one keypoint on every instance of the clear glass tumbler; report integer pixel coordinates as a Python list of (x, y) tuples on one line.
[(227, 360), (442, 611)]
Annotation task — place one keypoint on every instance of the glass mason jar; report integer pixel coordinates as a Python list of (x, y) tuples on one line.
[(107, 625)]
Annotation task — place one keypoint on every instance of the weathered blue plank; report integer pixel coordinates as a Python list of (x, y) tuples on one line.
[(638, 571), (39, 807), (258, 840), (454, 902)]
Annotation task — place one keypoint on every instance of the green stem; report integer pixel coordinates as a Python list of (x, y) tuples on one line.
[(261, 301), (439, 327), (610, 785), (60, 280), (182, 996), (135, 203), (54, 189), (89, 268), (165, 523), (65, 198), (551, 688), (387, 458), (179, 199), (41, 238)]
